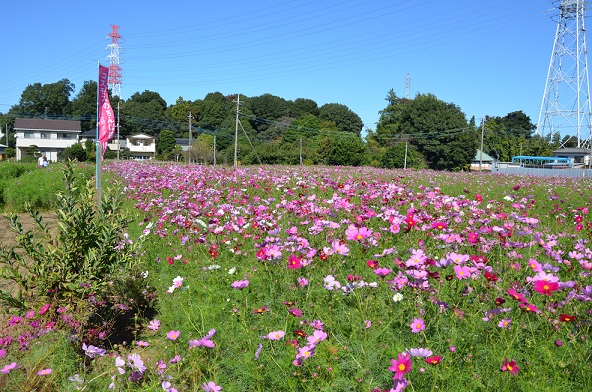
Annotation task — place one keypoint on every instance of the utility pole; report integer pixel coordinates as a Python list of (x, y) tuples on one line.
[(300, 151), (481, 151), (236, 130), (6, 135), (214, 150), (405, 163), (190, 149), (118, 140)]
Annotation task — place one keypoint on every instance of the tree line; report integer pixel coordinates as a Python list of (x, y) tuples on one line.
[(423, 132)]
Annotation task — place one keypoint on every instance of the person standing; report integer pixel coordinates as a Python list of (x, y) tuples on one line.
[(40, 161)]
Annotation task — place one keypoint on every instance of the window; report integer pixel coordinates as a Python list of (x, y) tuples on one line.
[(65, 136), (29, 135), (45, 135)]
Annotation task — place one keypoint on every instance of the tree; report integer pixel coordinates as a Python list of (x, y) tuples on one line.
[(438, 130), (165, 142), (84, 106), (396, 157), (347, 150), (144, 113), (304, 106), (343, 117)]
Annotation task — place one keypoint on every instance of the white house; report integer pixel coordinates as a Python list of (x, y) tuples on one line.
[(50, 136), (141, 146), (112, 144)]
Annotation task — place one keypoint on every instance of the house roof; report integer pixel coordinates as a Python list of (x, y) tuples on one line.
[(481, 156), (182, 142), (572, 150), (140, 136), (44, 124)]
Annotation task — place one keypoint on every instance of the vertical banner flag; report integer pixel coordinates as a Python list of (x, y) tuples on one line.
[(106, 117)]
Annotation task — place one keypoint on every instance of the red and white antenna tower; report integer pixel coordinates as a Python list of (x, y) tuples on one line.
[(114, 68)]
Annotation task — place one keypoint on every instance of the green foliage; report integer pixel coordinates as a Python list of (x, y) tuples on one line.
[(345, 119), (86, 253), (9, 152), (394, 157), (166, 141), (346, 150), (75, 153)]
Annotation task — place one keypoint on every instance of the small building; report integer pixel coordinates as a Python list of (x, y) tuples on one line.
[(578, 156), (482, 161), (2, 148), (112, 145), (183, 143), (141, 146), (50, 136)]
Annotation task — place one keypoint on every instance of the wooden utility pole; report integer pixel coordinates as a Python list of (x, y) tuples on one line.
[(236, 130), (214, 150), (300, 151)]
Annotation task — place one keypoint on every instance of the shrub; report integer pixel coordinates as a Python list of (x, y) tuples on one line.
[(88, 252)]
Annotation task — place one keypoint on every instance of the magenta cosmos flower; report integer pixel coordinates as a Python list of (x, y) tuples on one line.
[(401, 366), (510, 366), (417, 325)]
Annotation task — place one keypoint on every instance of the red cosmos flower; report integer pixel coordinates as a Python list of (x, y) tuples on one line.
[(510, 366), (300, 333), (478, 197), (566, 318), (171, 261), (260, 310), (490, 277), (322, 255), (410, 220), (372, 263), (544, 287), (578, 219), (500, 301), (434, 360)]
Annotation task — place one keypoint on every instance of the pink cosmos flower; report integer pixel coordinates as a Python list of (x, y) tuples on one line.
[(8, 368), (462, 272), (504, 323), (401, 366), (317, 337), (354, 233), (240, 284), (339, 248), (303, 282), (154, 325), (382, 271), (417, 325), (173, 335), (211, 387), (274, 335), (44, 372)]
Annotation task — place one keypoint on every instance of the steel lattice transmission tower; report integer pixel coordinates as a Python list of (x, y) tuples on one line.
[(565, 108), (114, 67)]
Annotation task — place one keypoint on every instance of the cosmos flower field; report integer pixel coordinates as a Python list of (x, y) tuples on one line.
[(353, 279)]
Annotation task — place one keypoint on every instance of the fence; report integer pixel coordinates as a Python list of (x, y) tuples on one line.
[(509, 168)]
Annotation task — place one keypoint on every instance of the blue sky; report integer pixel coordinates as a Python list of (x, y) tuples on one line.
[(488, 57)]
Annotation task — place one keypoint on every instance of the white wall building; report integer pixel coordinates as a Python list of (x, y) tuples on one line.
[(141, 146), (50, 136)]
